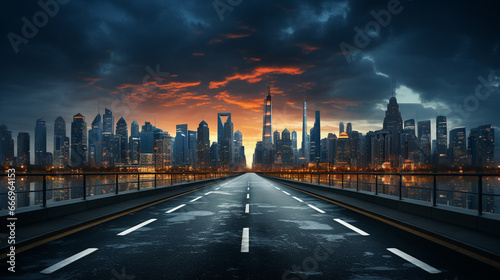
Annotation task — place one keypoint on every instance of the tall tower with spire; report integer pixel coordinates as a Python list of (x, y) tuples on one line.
[(305, 138), (394, 124), (267, 128)]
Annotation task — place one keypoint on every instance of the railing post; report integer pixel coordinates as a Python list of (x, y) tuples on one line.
[(376, 184), (357, 182), (44, 189), (155, 180), (84, 187), (116, 184), (171, 178), (400, 186), (319, 178), (342, 185), (480, 195), (434, 191), (138, 181), (329, 179)]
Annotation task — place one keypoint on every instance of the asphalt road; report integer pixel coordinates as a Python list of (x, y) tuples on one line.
[(245, 228)]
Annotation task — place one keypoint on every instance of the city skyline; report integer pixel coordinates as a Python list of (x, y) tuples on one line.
[(203, 65)]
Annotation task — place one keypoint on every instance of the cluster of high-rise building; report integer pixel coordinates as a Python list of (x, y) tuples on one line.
[(107, 144), (398, 144)]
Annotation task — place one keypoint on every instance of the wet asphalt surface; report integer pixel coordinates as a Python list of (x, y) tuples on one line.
[(288, 239)]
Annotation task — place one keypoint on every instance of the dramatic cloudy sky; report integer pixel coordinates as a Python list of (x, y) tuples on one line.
[(118, 53)]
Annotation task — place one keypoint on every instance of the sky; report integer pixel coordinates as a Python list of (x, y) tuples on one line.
[(179, 62)]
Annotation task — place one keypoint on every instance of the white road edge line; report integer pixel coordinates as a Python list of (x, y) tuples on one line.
[(414, 261), (285, 193), (193, 200), (316, 208), (277, 188), (245, 238), (346, 224), (247, 208), (298, 199), (208, 193), (248, 196), (173, 209), (125, 232), (217, 188), (67, 261)]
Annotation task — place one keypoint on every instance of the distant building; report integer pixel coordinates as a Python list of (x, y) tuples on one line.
[(441, 140), (305, 138), (458, 147), (341, 127), (23, 149), (61, 143), (78, 141), (181, 145), (214, 155), (122, 134), (203, 146), (394, 124), (343, 151), (192, 147), (6, 146), (315, 152), (40, 142), (95, 142), (482, 146)]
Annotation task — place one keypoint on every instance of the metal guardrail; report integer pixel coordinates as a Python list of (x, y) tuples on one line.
[(476, 191), (35, 186)]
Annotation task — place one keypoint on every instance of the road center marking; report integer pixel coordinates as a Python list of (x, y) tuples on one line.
[(245, 239), (351, 227), (298, 199), (193, 200), (208, 193), (173, 209), (316, 208), (414, 261), (248, 196), (285, 193), (67, 261), (247, 208), (125, 232)]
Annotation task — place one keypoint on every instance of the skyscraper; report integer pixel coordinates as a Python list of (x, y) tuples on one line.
[(315, 153), (441, 140), (348, 129), (239, 150), (424, 128), (214, 155), (122, 134), (267, 139), (61, 143), (134, 129), (294, 147), (458, 147), (482, 146), (107, 138), (23, 149), (220, 125), (6, 146), (305, 138), (192, 147), (78, 141), (287, 157), (95, 142), (40, 142), (226, 147), (341, 127), (146, 136), (203, 146), (394, 124), (410, 124), (181, 145)]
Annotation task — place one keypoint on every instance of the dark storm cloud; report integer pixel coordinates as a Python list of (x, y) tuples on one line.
[(88, 49)]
